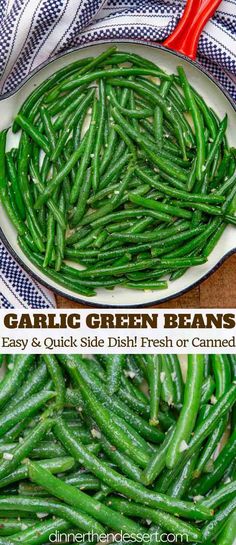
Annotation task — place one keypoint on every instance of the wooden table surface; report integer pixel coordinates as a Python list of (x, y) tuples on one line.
[(218, 291)]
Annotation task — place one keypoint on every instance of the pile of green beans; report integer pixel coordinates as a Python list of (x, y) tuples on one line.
[(142, 445), (122, 175)]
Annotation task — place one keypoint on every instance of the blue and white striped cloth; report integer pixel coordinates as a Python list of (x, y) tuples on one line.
[(33, 30)]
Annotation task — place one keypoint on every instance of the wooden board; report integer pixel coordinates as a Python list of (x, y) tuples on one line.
[(219, 291)]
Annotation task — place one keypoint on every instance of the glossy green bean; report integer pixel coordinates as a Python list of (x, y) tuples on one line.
[(158, 461), (33, 132), (14, 378), (74, 497), (167, 521), (206, 482), (22, 410), (197, 120), (24, 449), (189, 410), (227, 536), (125, 486), (222, 495), (54, 465), (38, 261), (104, 419), (56, 374), (211, 530), (72, 515), (154, 377)]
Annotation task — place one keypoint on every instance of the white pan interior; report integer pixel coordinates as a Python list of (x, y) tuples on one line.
[(214, 97)]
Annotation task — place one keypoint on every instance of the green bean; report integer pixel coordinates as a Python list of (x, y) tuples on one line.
[(138, 266), (221, 463), (165, 210), (24, 449), (158, 116), (154, 373), (60, 235), (121, 409), (208, 388), (50, 240), (127, 140), (59, 177), (86, 156), (168, 522), (125, 486), (57, 378), (112, 173), (65, 112), (149, 148), (221, 369), (12, 174), (114, 367), (232, 361), (48, 84), (38, 261), (158, 461), (197, 242), (8, 528), (33, 132), (167, 387), (98, 60), (22, 410), (14, 378), (221, 495), (54, 465), (83, 481), (227, 536), (179, 487), (176, 373), (189, 410), (211, 530), (216, 143), (206, 112), (88, 78), (99, 137), (198, 198), (164, 238), (222, 373), (103, 418), (71, 122), (129, 394), (4, 195), (142, 89), (41, 532), (197, 120), (71, 495), (209, 247), (202, 431), (79, 242), (5, 541), (73, 516), (121, 460)]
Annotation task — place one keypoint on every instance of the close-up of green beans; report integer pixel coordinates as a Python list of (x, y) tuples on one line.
[(139, 448), (122, 176)]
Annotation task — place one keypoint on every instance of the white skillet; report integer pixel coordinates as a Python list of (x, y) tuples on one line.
[(212, 92)]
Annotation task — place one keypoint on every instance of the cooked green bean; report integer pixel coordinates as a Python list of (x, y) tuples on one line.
[(188, 412), (125, 486), (74, 497), (87, 162), (110, 474)]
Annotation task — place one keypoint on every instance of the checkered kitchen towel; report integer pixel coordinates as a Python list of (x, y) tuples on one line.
[(33, 30)]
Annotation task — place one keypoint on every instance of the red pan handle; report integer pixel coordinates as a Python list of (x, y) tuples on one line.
[(186, 36)]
